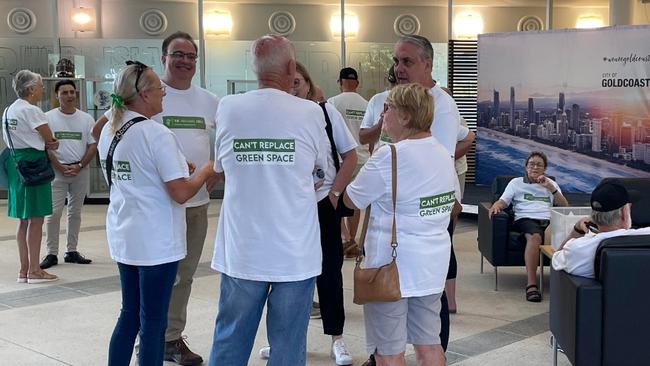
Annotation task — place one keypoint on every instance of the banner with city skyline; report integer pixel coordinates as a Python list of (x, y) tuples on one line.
[(580, 96)]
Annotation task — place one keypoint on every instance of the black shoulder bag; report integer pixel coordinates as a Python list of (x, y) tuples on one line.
[(341, 208), (31, 172), (117, 138)]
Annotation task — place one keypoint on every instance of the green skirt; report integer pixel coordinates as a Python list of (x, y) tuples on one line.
[(25, 202)]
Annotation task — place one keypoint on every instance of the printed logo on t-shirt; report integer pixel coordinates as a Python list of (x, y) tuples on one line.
[(13, 123), (263, 151), (121, 170), (67, 135), (354, 115), (532, 197), (438, 204), (184, 122)]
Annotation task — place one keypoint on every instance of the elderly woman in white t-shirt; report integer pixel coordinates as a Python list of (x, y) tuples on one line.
[(145, 222), (426, 191), (532, 197), (30, 136)]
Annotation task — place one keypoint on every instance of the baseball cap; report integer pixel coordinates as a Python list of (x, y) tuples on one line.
[(609, 196), (348, 73)]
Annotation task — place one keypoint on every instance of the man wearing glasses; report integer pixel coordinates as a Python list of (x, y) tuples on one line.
[(189, 112)]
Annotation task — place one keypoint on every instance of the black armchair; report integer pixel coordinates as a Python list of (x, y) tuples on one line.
[(604, 321), (497, 242)]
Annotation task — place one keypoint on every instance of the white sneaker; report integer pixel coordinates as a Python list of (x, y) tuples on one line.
[(265, 352), (340, 353)]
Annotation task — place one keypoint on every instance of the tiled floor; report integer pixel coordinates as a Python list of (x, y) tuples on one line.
[(69, 322)]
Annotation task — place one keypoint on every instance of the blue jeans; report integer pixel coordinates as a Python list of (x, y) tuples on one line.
[(240, 308), (146, 291)]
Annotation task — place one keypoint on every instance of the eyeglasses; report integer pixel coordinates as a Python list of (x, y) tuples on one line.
[(536, 165), (140, 67), (179, 55)]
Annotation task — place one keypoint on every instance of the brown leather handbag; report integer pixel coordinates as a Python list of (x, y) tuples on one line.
[(378, 284)]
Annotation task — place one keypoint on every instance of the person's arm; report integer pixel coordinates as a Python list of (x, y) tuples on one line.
[(579, 230), (558, 197), (497, 207), (46, 133), (91, 150), (97, 128), (55, 162), (348, 202), (371, 135), (464, 145), (344, 175), (182, 189)]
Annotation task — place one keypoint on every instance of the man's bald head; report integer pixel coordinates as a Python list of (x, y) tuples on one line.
[(271, 54)]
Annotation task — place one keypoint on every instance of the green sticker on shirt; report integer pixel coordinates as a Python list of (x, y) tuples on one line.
[(184, 122), (531, 197), (354, 114), (67, 135), (438, 204), (264, 151)]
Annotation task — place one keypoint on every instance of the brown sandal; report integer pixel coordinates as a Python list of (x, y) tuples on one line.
[(40, 277)]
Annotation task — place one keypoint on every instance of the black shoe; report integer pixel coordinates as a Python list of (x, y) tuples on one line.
[(75, 257), (370, 361), (49, 261)]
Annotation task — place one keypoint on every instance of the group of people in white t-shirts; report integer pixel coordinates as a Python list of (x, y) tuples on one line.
[(287, 162)]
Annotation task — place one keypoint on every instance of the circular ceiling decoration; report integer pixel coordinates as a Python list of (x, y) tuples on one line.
[(153, 22), (282, 23), (530, 23), (21, 20), (406, 25)]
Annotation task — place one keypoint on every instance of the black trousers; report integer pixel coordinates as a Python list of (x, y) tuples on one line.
[(330, 283), (444, 311)]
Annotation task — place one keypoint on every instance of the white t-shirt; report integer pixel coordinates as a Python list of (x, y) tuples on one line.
[(578, 255), (425, 198), (529, 200), (461, 163), (344, 142), (352, 106), (144, 225), (23, 119), (190, 115), (74, 132), (268, 143), (446, 127), (373, 113)]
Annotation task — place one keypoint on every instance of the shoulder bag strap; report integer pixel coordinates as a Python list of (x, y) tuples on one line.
[(364, 229), (117, 138), (393, 165), (330, 136), (11, 144)]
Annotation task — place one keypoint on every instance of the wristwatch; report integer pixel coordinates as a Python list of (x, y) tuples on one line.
[(336, 194), (80, 165)]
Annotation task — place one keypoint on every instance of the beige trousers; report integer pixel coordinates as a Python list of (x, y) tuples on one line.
[(197, 227)]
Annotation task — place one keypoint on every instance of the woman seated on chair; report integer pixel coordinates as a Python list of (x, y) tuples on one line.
[(532, 197)]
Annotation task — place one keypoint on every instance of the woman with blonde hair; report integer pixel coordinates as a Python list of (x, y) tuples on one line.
[(26, 132), (425, 196), (149, 181)]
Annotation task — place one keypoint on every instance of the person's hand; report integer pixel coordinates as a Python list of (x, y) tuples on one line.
[(333, 199), (546, 183), (71, 170), (319, 183), (191, 167), (52, 145), (456, 210), (582, 225), (493, 211)]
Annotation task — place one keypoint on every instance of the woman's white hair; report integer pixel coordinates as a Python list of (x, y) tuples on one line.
[(24, 81)]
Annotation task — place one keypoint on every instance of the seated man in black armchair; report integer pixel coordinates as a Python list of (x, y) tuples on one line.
[(532, 197), (610, 217)]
